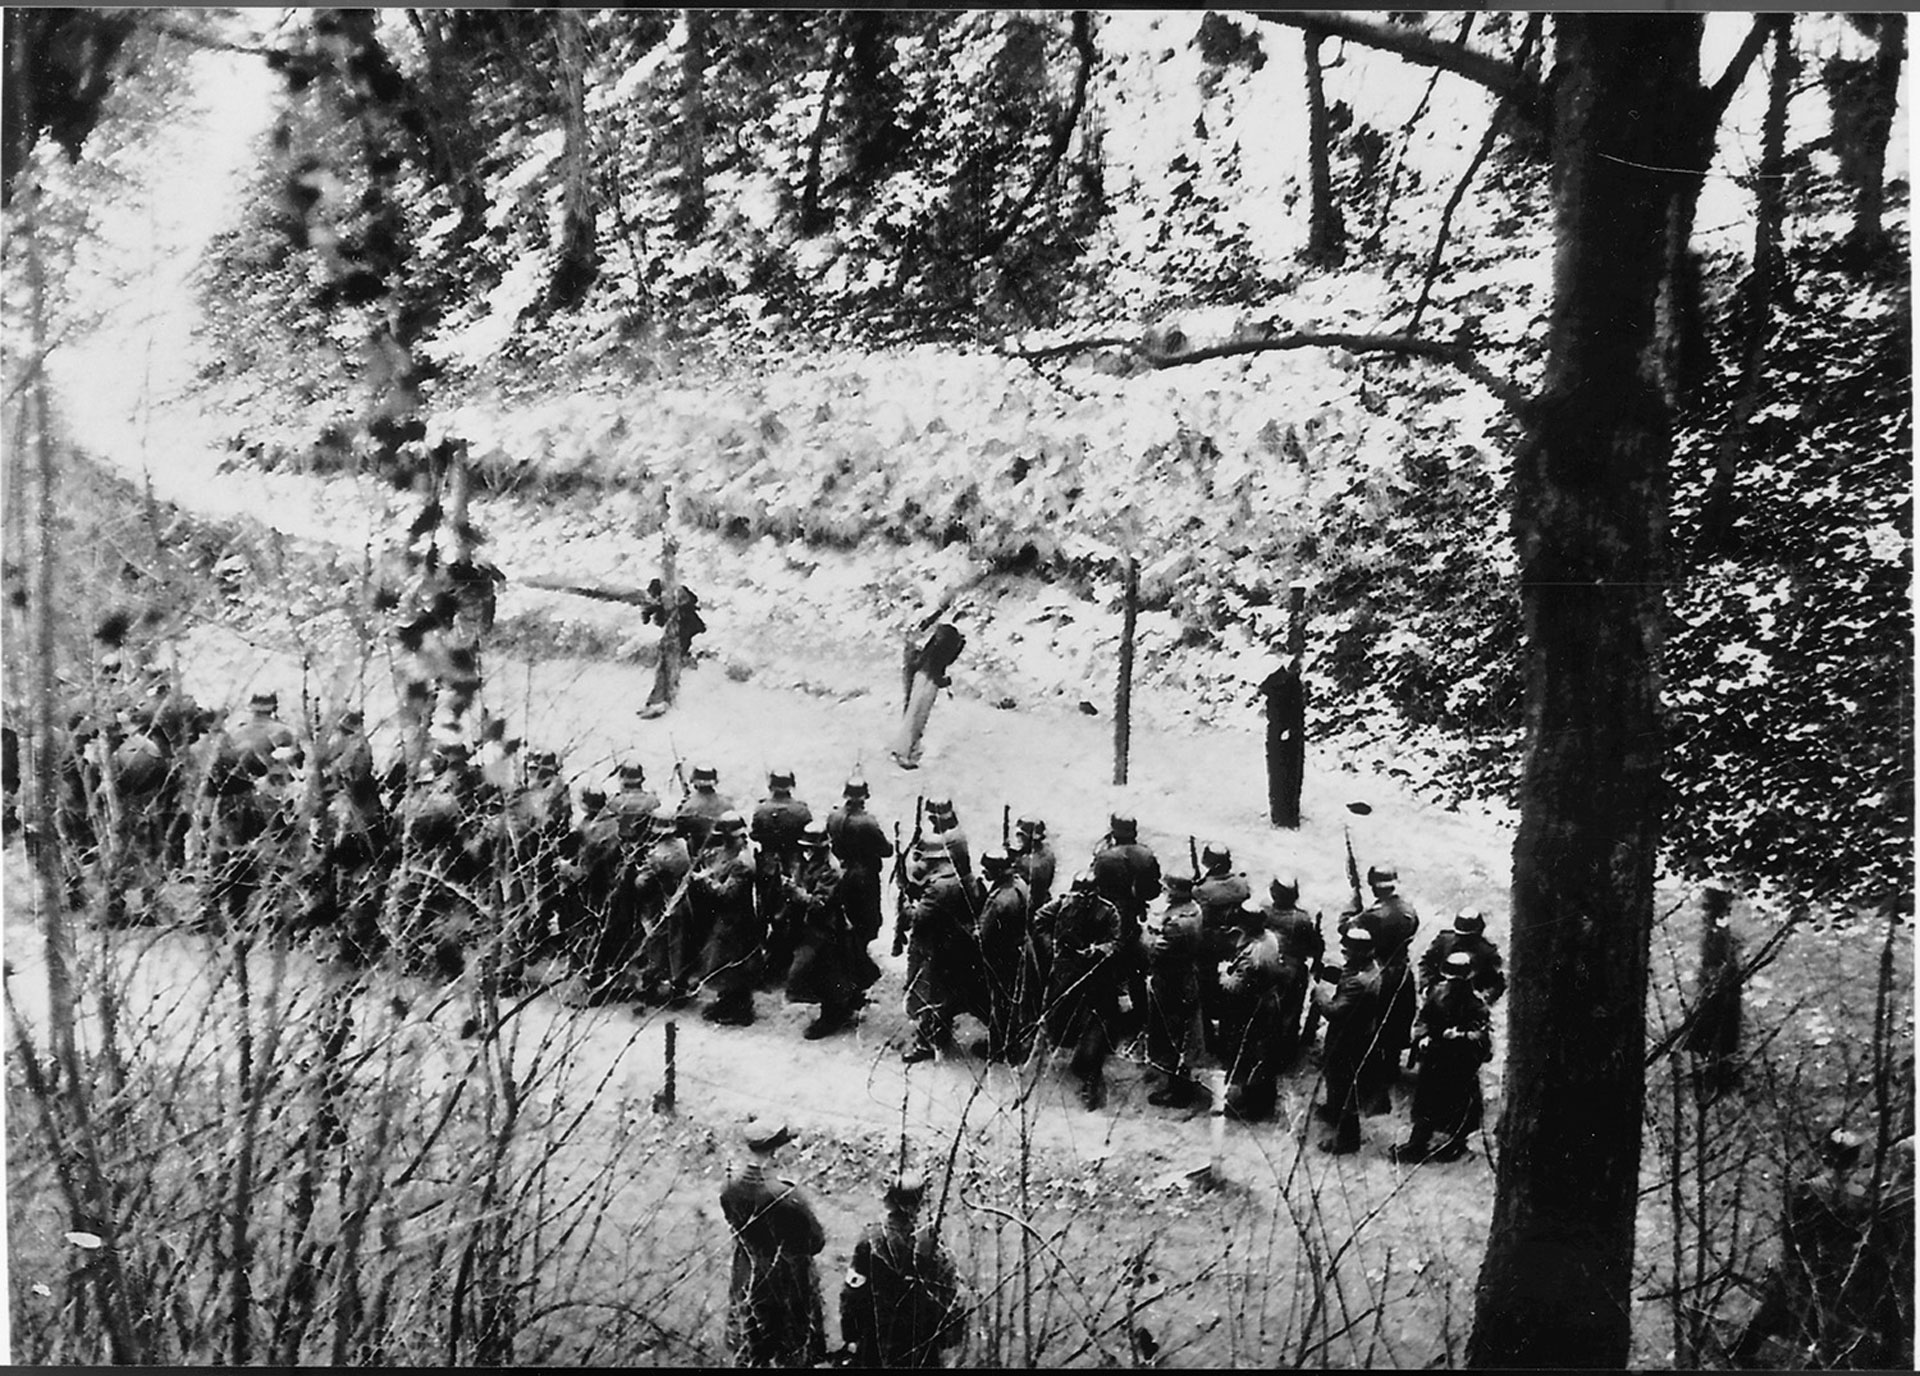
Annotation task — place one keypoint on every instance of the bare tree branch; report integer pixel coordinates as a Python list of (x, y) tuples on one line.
[(1496, 74), (1720, 94)]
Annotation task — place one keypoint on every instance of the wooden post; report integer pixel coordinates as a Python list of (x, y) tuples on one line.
[(666, 677), (1123, 690), (1287, 719), (663, 1101)]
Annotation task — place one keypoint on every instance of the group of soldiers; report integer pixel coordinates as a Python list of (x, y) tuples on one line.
[(1197, 972), (902, 1304), (454, 852)]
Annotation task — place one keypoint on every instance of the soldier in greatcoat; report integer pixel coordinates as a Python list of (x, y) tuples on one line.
[(830, 964), (1176, 1039), (1033, 857), (944, 971), (861, 846), (1301, 948), (901, 1306), (1251, 1035), (1352, 1013), (1078, 936), (599, 920), (703, 806), (446, 865), (778, 820), (944, 822), (1392, 922), (1454, 1034), (1220, 891), (774, 1313), (658, 911), (1127, 874), (721, 888), (1011, 992), (1468, 933), (536, 828)]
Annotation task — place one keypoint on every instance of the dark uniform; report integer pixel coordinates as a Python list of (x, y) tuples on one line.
[(861, 846), (926, 674), (663, 915), (1392, 922), (944, 823), (1176, 1039), (1078, 936), (1010, 1002), (536, 828), (1301, 949), (775, 830), (944, 971), (830, 964), (1127, 874), (1468, 933), (1455, 1038), (722, 891), (356, 839), (701, 808), (901, 1304), (1034, 859), (1220, 892), (1352, 1013), (1251, 1033), (445, 865), (774, 1313), (234, 820), (591, 871)]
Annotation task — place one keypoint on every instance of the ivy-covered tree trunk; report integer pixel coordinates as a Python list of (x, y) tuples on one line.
[(1590, 516), (1326, 228), (577, 259), (690, 215), (1877, 97)]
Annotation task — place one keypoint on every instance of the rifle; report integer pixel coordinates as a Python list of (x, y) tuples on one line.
[(679, 770), (1311, 1027), (1193, 855), (1353, 872), (1006, 826), (903, 915)]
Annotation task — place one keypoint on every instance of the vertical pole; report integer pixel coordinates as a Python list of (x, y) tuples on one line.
[(1123, 690), (666, 679), (663, 1101), (1217, 1126)]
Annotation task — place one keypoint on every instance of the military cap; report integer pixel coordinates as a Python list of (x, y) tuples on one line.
[(856, 788), (940, 807), (110, 664), (1031, 826), (542, 762), (1284, 891), (730, 823), (764, 1133), (780, 778), (631, 773), (1459, 963), (1469, 922), (995, 861), (665, 823), (353, 717), (906, 1190), (1178, 883), (1382, 876), (1214, 854), (1357, 936), (1122, 827), (266, 697), (592, 799), (1251, 913), (814, 834), (450, 749), (705, 774)]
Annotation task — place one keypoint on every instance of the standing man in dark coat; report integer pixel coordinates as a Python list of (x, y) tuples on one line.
[(1391, 921), (1034, 859), (901, 1306), (1250, 1030), (657, 911), (1078, 936), (1286, 698), (861, 846), (1127, 874), (830, 963), (1176, 1040), (356, 838), (701, 808), (1468, 933), (774, 1314), (944, 822), (778, 820), (536, 829), (1220, 892), (944, 972), (1352, 1013), (1301, 949), (1010, 996), (722, 892), (927, 672), (1455, 1037)]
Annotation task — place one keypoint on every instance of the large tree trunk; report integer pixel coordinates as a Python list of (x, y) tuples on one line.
[(577, 261), (690, 216), (1878, 97), (1326, 229), (1590, 516)]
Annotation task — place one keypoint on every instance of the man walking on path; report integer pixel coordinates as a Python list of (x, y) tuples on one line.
[(901, 1304), (774, 1313), (926, 673)]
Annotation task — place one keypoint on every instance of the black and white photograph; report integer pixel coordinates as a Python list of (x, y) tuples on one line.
[(1158, 688)]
